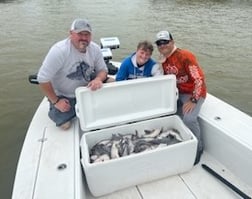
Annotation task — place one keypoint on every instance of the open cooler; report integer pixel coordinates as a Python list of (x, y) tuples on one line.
[(127, 107)]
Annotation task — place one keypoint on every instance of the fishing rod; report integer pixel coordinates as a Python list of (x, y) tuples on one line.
[(231, 186)]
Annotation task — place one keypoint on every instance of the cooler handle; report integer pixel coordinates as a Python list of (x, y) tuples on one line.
[(77, 111)]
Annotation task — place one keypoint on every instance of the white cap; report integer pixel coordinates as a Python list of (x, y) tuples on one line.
[(163, 35), (80, 25)]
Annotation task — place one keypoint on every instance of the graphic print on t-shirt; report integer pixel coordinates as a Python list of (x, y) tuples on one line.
[(83, 70)]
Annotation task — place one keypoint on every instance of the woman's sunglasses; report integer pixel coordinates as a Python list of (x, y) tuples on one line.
[(162, 42)]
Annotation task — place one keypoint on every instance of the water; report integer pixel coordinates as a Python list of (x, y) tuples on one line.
[(218, 32)]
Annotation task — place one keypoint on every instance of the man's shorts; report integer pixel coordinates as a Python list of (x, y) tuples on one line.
[(62, 117)]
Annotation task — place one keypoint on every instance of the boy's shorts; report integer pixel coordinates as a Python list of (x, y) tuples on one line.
[(62, 117)]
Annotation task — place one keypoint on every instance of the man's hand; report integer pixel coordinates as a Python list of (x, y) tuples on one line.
[(188, 106), (95, 84), (63, 105)]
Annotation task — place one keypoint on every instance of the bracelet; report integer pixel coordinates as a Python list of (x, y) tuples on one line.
[(56, 101)]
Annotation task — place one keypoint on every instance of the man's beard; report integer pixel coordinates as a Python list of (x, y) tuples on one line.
[(83, 45)]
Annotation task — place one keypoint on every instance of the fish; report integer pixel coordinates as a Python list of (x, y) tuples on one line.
[(141, 145), (152, 133), (121, 145), (177, 134), (114, 151), (126, 146), (102, 158), (165, 133), (100, 149)]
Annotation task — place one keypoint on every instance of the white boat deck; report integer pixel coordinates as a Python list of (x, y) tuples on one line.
[(47, 147), (197, 183)]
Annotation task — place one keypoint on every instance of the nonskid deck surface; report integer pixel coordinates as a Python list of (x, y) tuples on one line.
[(197, 183)]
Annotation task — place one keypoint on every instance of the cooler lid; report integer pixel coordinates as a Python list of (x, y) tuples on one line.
[(122, 102)]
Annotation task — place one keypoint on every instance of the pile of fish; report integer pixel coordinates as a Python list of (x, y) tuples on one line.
[(122, 145)]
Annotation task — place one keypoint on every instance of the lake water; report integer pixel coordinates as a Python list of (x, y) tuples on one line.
[(218, 32)]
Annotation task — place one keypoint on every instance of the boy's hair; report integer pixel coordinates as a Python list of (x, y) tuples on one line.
[(145, 45)]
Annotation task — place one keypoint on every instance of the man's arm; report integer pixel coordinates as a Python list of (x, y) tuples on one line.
[(48, 91), (97, 82), (62, 104)]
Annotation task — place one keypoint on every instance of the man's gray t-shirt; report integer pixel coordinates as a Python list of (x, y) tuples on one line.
[(67, 68)]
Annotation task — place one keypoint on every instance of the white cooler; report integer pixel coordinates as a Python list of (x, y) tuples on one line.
[(123, 107)]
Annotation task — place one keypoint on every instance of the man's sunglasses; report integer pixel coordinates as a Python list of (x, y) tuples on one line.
[(162, 42)]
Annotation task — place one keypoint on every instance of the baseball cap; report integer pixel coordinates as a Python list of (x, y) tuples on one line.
[(80, 25), (163, 35)]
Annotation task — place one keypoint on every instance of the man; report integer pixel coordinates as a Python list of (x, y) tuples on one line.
[(190, 82), (139, 64), (70, 63)]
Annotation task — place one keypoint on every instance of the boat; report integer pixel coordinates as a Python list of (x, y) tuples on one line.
[(50, 165)]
